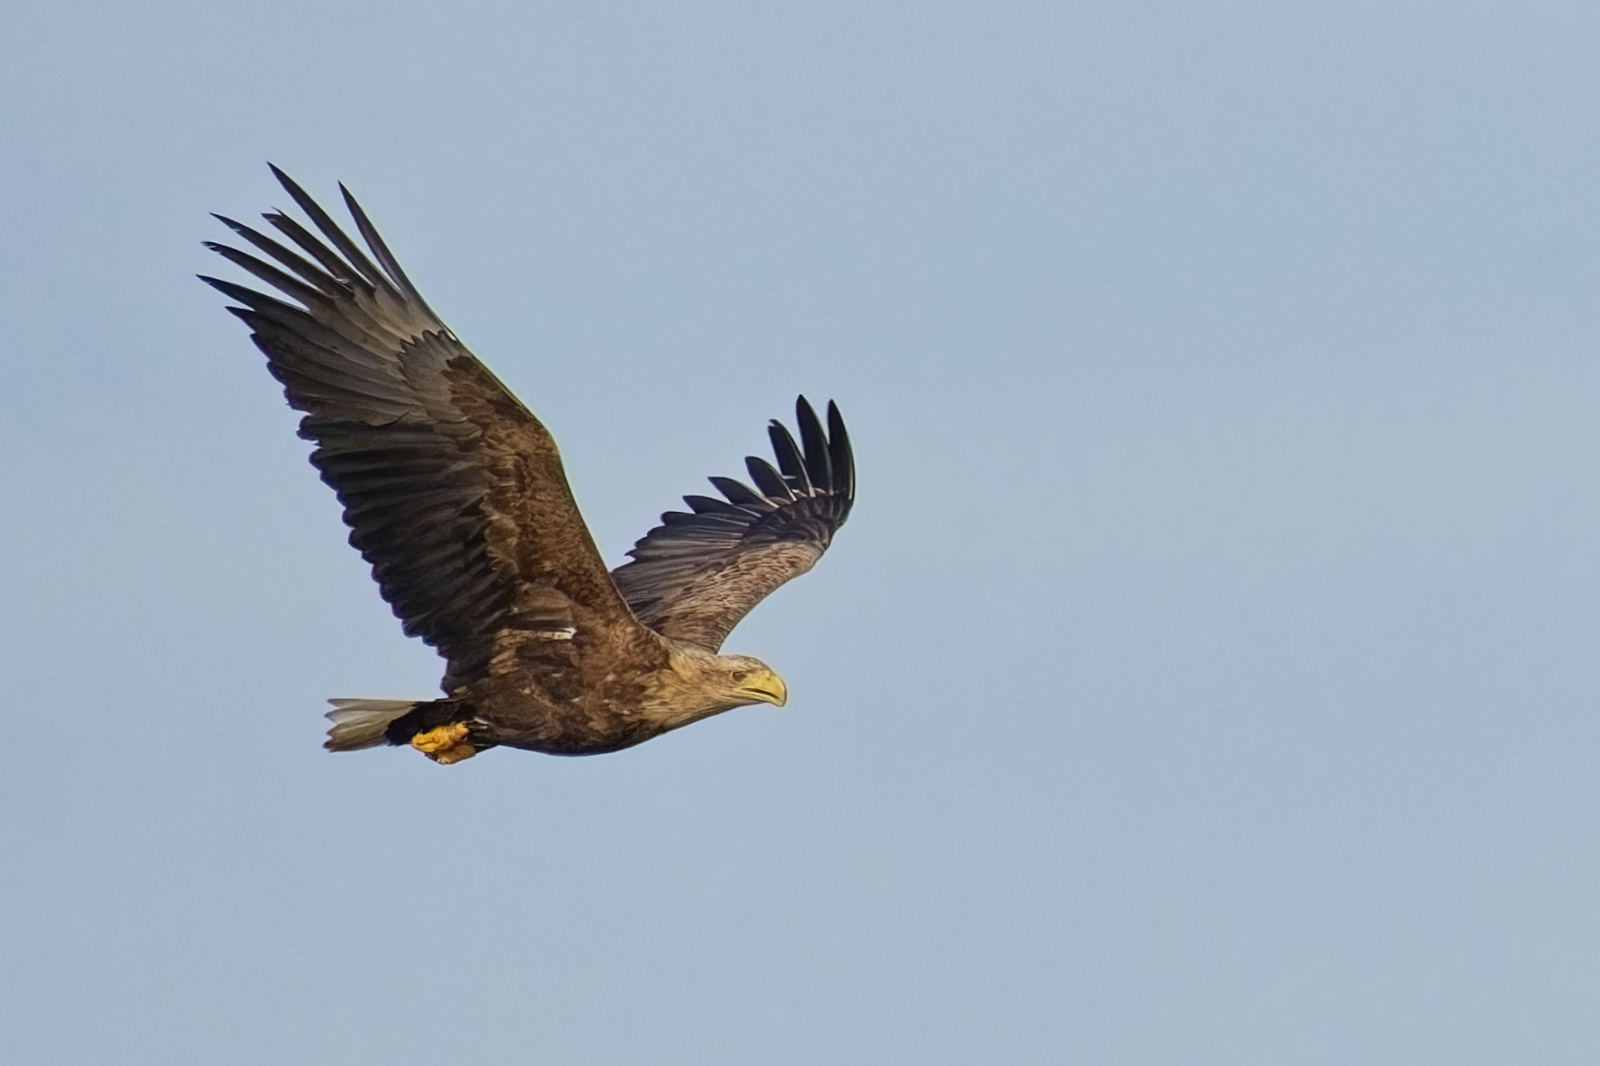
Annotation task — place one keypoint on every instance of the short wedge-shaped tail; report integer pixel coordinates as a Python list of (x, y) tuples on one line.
[(361, 724)]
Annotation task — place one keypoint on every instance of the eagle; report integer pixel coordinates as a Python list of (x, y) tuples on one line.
[(455, 495)]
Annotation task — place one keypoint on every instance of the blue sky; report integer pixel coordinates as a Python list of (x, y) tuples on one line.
[(1206, 674)]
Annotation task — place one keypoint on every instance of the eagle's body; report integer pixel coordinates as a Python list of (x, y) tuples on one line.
[(455, 493)]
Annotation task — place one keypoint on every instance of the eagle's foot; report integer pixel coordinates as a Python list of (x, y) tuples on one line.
[(445, 745)]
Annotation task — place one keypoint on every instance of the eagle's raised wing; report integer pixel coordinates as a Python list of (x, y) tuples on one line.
[(696, 575), (453, 491)]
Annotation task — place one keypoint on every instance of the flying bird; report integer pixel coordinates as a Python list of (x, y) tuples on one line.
[(455, 494)]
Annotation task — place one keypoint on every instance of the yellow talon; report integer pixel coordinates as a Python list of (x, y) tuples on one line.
[(446, 744), (446, 736)]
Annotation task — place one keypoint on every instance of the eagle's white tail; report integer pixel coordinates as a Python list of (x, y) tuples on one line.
[(361, 724)]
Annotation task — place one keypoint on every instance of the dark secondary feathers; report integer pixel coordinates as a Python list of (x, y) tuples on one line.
[(455, 494), (697, 574)]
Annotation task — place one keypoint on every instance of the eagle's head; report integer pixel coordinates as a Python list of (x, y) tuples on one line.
[(746, 681), (699, 684)]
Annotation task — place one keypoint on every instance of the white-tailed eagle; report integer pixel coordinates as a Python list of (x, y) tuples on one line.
[(454, 493)]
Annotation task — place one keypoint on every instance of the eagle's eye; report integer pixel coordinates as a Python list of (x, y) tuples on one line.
[(740, 675)]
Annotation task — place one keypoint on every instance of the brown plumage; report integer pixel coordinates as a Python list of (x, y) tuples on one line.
[(455, 494)]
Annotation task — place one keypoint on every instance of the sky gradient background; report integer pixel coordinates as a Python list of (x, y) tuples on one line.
[(1206, 676)]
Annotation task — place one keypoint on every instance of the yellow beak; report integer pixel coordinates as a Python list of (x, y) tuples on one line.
[(767, 687)]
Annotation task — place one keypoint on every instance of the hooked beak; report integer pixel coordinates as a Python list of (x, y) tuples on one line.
[(767, 687)]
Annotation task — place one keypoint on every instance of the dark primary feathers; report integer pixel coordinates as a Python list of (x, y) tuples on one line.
[(696, 575), (455, 494), (453, 491)]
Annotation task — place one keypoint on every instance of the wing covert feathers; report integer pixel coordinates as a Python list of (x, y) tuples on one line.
[(452, 490), (693, 577)]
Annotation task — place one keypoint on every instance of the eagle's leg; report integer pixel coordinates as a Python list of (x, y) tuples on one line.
[(446, 744)]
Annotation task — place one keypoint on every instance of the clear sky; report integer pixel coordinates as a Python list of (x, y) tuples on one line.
[(1206, 676)]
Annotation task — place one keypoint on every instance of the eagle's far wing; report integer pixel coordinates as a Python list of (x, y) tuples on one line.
[(453, 491), (696, 575)]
